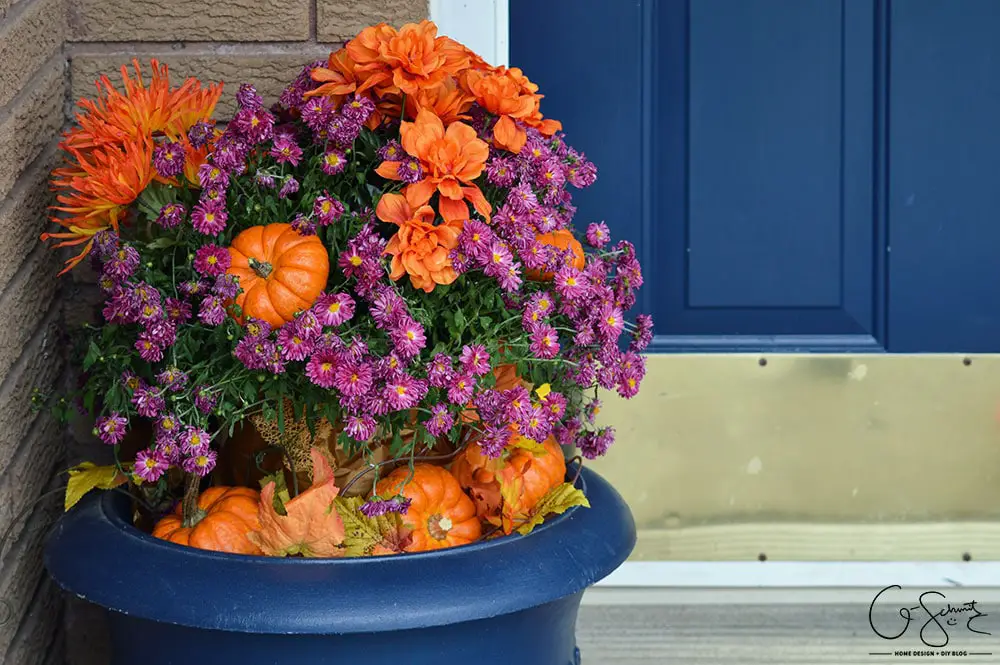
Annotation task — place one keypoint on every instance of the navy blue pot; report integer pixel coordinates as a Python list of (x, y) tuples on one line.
[(509, 600)]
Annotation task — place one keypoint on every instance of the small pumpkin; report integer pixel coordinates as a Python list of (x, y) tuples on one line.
[(225, 516), (560, 239), (281, 272), (528, 476), (440, 514)]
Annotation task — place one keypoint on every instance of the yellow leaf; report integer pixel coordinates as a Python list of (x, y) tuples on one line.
[(559, 499), (88, 476), (367, 536), (543, 390), (530, 445)]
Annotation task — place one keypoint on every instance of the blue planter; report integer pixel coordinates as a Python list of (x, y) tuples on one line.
[(510, 600)]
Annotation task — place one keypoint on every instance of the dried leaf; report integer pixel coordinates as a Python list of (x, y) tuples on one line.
[(370, 536), (559, 499), (88, 476), (312, 527)]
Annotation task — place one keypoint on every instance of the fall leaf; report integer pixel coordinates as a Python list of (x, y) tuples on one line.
[(88, 476), (532, 446), (311, 527), (370, 536), (559, 499)]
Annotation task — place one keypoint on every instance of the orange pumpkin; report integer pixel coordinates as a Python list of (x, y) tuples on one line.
[(533, 475), (440, 513), (560, 239), (280, 271), (225, 516)]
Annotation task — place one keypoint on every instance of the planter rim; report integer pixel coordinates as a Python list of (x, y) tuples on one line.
[(96, 553)]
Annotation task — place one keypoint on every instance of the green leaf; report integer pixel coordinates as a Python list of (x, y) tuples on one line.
[(558, 500), (459, 320), (93, 353), (162, 243), (363, 534)]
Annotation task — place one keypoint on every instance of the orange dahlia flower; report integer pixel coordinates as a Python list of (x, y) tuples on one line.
[(451, 161), (419, 249), (407, 60), (509, 95), (338, 79), (447, 101), (96, 189)]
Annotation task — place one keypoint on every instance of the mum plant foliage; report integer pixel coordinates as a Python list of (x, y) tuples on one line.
[(382, 264)]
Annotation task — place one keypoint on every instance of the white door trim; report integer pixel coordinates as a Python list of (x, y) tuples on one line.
[(482, 25), (803, 575)]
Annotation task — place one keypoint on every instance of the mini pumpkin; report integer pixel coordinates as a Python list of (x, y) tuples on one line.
[(440, 514), (225, 516), (560, 239), (529, 475), (281, 272)]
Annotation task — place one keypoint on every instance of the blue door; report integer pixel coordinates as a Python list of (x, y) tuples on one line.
[(799, 175)]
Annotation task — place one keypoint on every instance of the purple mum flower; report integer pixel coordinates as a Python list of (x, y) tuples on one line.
[(171, 215), (475, 360), (210, 175), (111, 428), (286, 151), (200, 134), (377, 507), (168, 159), (598, 234), (440, 421), (333, 309), (290, 187), (150, 465), (204, 399), (172, 379), (248, 98), (209, 219), (212, 312), (148, 401), (360, 428), (226, 286), (334, 162), (212, 260), (202, 464), (303, 225), (194, 441), (148, 350), (327, 210)]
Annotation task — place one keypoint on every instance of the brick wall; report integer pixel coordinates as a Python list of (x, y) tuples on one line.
[(50, 53), (33, 85)]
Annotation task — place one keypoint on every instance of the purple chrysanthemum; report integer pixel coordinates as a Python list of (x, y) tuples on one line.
[(440, 372), (408, 337), (168, 159), (286, 151), (375, 507), (248, 98), (200, 134), (440, 421), (303, 225), (598, 234), (293, 344), (194, 441), (360, 428), (212, 312), (172, 379), (358, 108), (322, 367), (204, 399), (333, 309), (544, 341), (202, 464), (148, 401), (169, 450), (150, 465), (333, 162), (209, 219), (148, 350), (404, 392), (410, 171), (290, 186), (327, 210), (226, 286), (212, 260), (461, 389), (595, 444), (352, 378), (111, 428), (171, 215), (167, 428), (475, 359)]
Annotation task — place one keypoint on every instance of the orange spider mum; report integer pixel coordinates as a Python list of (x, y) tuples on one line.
[(451, 161), (96, 189), (114, 118), (407, 60), (419, 249)]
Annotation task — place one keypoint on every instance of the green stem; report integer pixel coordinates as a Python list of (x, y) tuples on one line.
[(191, 513)]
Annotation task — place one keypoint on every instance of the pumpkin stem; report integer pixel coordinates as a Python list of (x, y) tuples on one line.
[(262, 268), (191, 514)]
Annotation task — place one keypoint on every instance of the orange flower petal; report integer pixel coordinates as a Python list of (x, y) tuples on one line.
[(507, 135), (393, 208), (389, 170), (453, 211)]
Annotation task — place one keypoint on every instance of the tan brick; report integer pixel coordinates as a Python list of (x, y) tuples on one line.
[(30, 121), (269, 72), (188, 20), (39, 629), (341, 20), (29, 35), (38, 367), (23, 215), (33, 468), (21, 572), (27, 299)]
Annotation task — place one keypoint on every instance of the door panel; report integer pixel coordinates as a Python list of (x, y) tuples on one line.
[(944, 160)]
